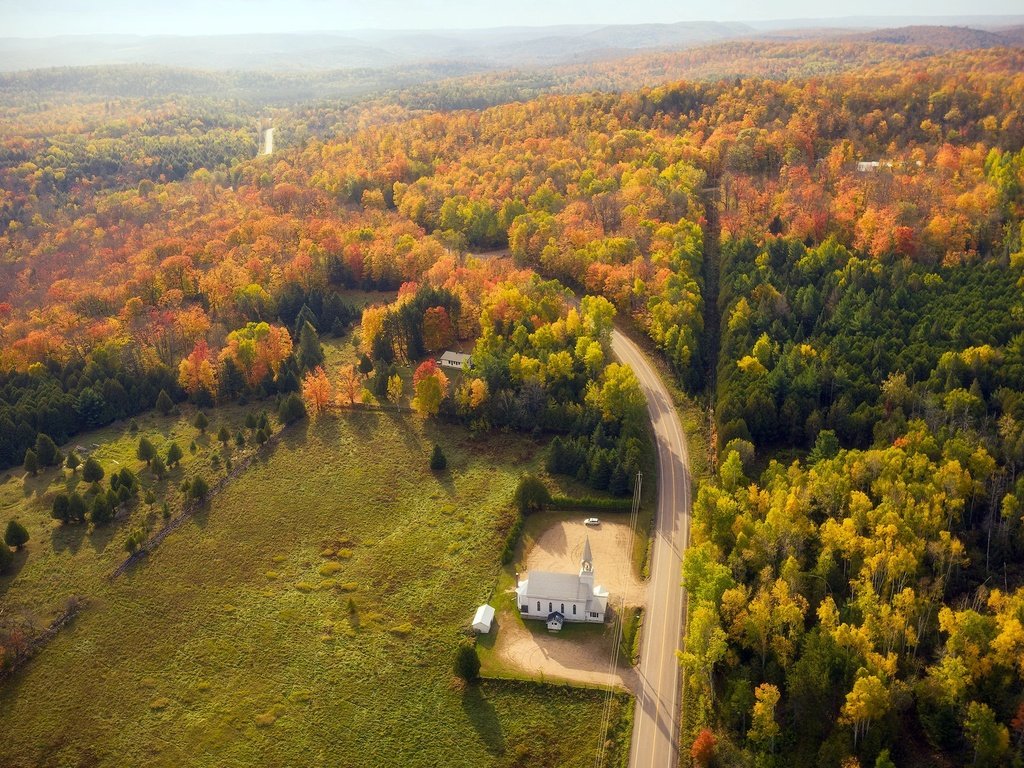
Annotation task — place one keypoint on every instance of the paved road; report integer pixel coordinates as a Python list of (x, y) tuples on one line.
[(656, 722)]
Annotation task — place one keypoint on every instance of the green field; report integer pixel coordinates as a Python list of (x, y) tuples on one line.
[(236, 643)]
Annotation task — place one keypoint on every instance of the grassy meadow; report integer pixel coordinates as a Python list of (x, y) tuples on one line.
[(308, 616)]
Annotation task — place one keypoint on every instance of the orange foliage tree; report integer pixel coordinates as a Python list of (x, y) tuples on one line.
[(317, 390), (196, 372)]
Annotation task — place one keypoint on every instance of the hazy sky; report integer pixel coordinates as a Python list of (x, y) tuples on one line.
[(49, 17)]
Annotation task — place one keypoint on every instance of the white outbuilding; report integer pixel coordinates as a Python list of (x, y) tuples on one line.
[(483, 618), (455, 360)]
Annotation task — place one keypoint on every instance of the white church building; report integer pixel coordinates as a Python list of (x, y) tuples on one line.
[(559, 597)]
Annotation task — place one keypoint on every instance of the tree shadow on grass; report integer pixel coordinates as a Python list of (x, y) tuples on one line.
[(68, 536), (20, 557), (484, 717), (100, 537)]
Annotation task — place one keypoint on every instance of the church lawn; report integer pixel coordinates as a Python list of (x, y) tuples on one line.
[(309, 616), (581, 653)]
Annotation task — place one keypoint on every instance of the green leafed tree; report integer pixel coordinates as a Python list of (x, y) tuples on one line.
[(531, 495)]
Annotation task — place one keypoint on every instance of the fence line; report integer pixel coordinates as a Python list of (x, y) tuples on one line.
[(32, 647)]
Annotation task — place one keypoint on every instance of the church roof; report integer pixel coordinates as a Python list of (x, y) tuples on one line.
[(587, 557), (553, 586)]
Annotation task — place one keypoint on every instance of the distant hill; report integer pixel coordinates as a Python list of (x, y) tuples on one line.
[(939, 38), (486, 47), (481, 49)]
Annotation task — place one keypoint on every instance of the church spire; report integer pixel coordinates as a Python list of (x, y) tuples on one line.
[(587, 560)]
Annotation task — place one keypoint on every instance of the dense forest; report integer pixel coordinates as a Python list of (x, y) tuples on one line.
[(825, 248)]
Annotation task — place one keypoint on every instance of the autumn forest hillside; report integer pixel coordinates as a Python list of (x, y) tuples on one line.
[(822, 238)]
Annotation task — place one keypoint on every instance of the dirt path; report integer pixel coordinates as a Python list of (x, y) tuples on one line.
[(580, 653), (560, 544)]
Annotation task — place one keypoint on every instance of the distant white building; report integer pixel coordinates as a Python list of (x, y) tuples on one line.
[(455, 360), (868, 166), (558, 597), (483, 618)]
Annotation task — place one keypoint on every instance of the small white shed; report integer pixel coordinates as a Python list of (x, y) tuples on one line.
[(483, 618)]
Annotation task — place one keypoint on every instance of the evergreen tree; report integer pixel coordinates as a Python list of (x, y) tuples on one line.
[(73, 461), (92, 472), (199, 489), (292, 409), (61, 509), (46, 451), (310, 353), (365, 364), (174, 454), (145, 452), (438, 461), (76, 508), (467, 662), (16, 534), (164, 404), (201, 422), (618, 483), (158, 467), (31, 462), (101, 511), (224, 436)]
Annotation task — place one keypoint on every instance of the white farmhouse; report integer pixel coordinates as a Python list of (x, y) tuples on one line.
[(558, 597), (455, 360)]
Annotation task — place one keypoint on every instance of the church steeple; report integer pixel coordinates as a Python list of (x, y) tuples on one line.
[(587, 560)]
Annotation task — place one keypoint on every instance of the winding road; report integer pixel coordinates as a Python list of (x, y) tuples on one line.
[(656, 720)]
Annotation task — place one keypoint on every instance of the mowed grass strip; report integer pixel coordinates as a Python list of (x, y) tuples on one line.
[(235, 645)]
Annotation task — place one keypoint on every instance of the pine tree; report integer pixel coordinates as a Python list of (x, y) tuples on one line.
[(46, 451), (174, 454), (164, 404), (292, 409), (467, 662), (76, 508), (101, 512), (145, 452), (199, 489), (61, 508), (16, 534), (201, 422), (438, 461), (310, 353), (92, 472), (31, 462)]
